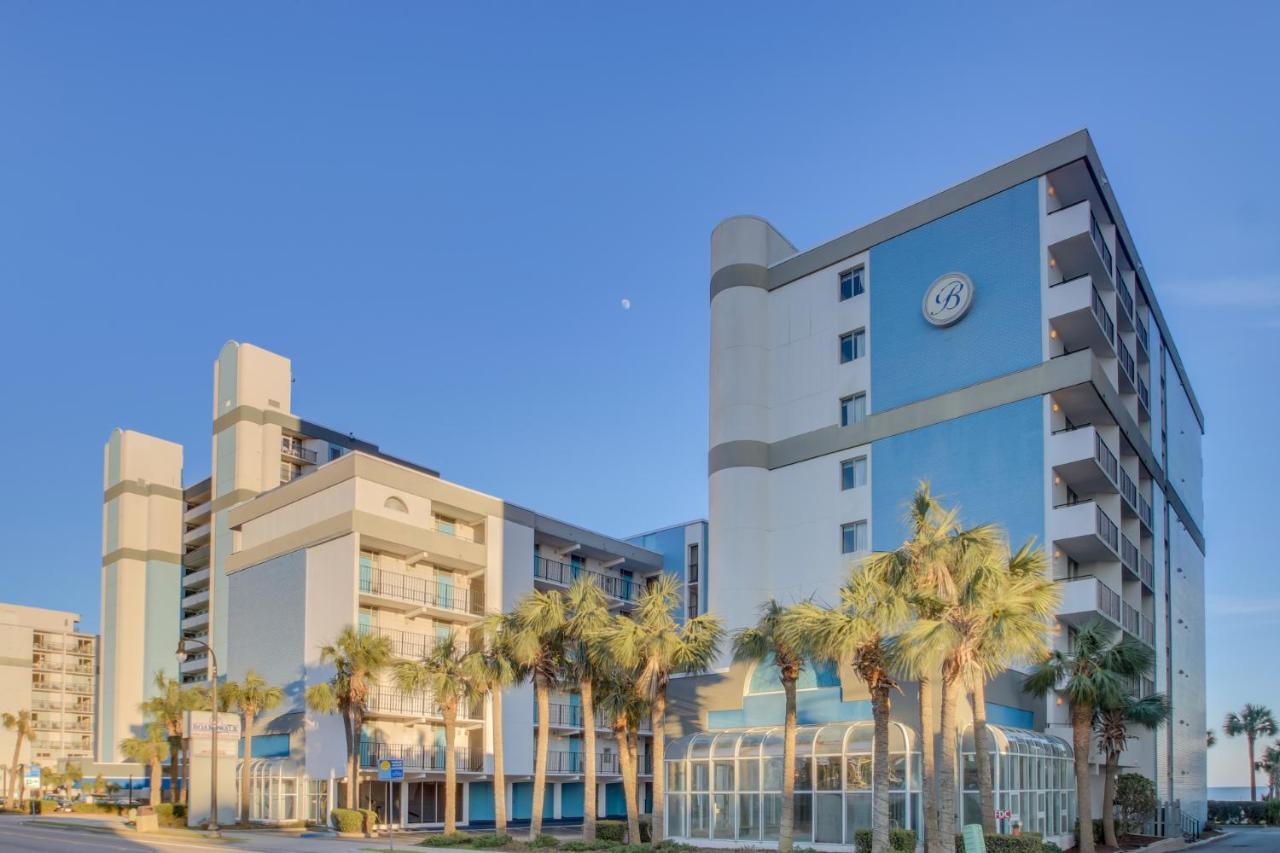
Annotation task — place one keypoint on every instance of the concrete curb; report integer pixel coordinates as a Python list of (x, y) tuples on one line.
[(1171, 844)]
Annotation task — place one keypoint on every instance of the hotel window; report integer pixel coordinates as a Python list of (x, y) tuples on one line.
[(853, 538), (851, 284), (853, 473), (853, 345), (853, 409), (691, 581)]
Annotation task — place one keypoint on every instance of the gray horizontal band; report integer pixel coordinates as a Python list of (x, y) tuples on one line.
[(738, 454), (146, 555), (739, 275), (137, 487)]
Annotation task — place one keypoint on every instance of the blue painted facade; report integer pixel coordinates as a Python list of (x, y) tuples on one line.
[(822, 705), (996, 242), (480, 802)]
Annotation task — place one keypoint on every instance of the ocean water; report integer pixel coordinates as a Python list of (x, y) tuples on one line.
[(1234, 793)]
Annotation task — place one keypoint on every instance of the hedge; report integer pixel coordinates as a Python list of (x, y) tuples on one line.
[(580, 846), (347, 821), (95, 808), (451, 839), (171, 814), (611, 830), (486, 840), (1244, 812), (544, 840), (901, 840), (1027, 842)]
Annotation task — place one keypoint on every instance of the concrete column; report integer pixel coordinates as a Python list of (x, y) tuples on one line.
[(600, 799), (404, 804), (555, 801), (466, 803)]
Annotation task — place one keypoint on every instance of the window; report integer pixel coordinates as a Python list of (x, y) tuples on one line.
[(853, 409), (334, 453), (853, 473), (853, 345), (851, 284), (691, 582), (853, 537)]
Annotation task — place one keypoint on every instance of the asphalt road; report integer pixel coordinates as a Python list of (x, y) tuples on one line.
[(1251, 839)]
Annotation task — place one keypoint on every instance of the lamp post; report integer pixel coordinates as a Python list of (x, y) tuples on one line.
[(196, 645)]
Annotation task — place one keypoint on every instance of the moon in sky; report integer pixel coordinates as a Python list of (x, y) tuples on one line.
[(626, 304)]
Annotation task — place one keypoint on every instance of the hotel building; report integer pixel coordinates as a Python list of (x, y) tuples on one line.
[(1002, 340)]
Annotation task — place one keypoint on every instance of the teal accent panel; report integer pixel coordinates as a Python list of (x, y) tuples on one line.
[(268, 746), (822, 705), (480, 801), (996, 242), (1003, 715), (765, 677), (990, 465), (670, 544), (163, 621), (113, 458), (615, 800), (110, 627), (225, 461), (113, 524), (571, 799), (522, 801), (228, 368)]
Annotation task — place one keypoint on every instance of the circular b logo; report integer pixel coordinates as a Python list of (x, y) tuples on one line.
[(948, 299)]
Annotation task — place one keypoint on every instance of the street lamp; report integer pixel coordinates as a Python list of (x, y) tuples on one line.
[(196, 645)]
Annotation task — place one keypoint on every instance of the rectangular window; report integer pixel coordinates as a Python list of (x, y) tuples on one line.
[(851, 284), (693, 563), (853, 409), (853, 473), (853, 345), (853, 537)]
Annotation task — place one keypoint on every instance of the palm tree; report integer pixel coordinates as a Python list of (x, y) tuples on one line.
[(655, 644), (357, 659), (73, 774), (1270, 764), (168, 707), (621, 704), (444, 675), (586, 616), (151, 750), (1093, 674), (856, 630), (537, 645), (1253, 721), (765, 644), (1112, 724), (20, 725), (250, 697), (492, 669)]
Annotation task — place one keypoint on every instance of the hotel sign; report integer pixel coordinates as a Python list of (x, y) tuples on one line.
[(199, 728), (948, 299)]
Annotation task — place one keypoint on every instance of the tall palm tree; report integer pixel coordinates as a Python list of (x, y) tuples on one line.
[(357, 660), (444, 675), (250, 697), (537, 645), (766, 644), (586, 617), (1092, 674), (1270, 764), (151, 750), (1253, 721), (492, 668), (621, 704), (168, 706), (870, 611), (1112, 723), (20, 725), (1018, 622), (653, 642)]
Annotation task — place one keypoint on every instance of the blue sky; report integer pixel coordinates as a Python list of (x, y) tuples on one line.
[(423, 201)]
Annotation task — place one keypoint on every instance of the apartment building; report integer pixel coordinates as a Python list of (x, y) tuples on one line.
[(1002, 340), (50, 668)]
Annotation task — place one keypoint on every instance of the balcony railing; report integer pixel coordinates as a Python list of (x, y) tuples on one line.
[(1107, 530), (572, 762), (46, 704), (1103, 316), (1128, 554), (383, 699), (1146, 571), (1126, 298), (292, 448), (1128, 489), (1100, 243), (405, 644), (1126, 360), (1144, 338), (565, 574), (419, 757), (1108, 601), (1138, 625), (418, 590), (1104, 457), (79, 687), (1144, 512), (47, 643), (1140, 687), (565, 715), (454, 529), (1144, 394)]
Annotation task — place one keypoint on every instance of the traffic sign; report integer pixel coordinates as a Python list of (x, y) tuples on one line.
[(390, 769)]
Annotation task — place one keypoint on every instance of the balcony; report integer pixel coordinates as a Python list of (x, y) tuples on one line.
[(1083, 460), (1138, 625), (1077, 244), (1084, 599), (79, 669), (1085, 532), (199, 512), (1144, 399), (420, 594), (292, 448), (566, 716), (1124, 297), (1128, 491), (1144, 340), (44, 663), (76, 686), (43, 704), (561, 763), (1139, 687), (1128, 555), (1080, 317), (405, 644), (196, 558), (420, 758), (195, 665), (47, 643), (564, 574), (454, 529), (196, 536), (1128, 370), (387, 701), (196, 580), (81, 648), (1145, 514), (196, 621)]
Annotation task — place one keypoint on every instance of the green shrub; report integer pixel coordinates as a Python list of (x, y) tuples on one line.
[(578, 845), (171, 814), (646, 828), (450, 839), (370, 820), (545, 841), (1097, 830), (611, 830), (901, 840), (46, 806), (1050, 847), (1271, 808), (94, 808), (347, 821), (1136, 802), (631, 848), (666, 845), (1028, 842), (487, 840)]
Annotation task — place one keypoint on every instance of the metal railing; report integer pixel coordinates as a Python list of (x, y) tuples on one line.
[(1144, 338), (1138, 625), (384, 699), (293, 448), (1126, 298), (46, 705), (565, 574), (1144, 393), (1146, 571), (1100, 243), (1128, 554), (1128, 489), (1139, 687), (48, 644), (419, 590), (1108, 601), (1107, 530), (419, 757), (1126, 360), (1103, 316), (1144, 511), (1104, 457), (572, 762), (405, 644), (78, 687), (454, 529)]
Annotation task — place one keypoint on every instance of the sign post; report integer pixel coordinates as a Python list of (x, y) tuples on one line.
[(391, 770), (974, 841)]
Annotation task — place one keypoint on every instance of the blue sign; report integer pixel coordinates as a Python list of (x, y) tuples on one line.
[(390, 769)]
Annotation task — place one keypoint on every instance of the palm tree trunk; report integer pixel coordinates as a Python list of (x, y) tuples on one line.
[(629, 780), (154, 781), (658, 721), (1253, 773), (1109, 800), (175, 752), (184, 783), (542, 691), (880, 770), (1081, 726), (246, 723), (633, 750), (982, 758), (499, 771), (353, 758), (588, 761), (928, 768), (947, 759), (15, 779), (787, 824), (450, 771)]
